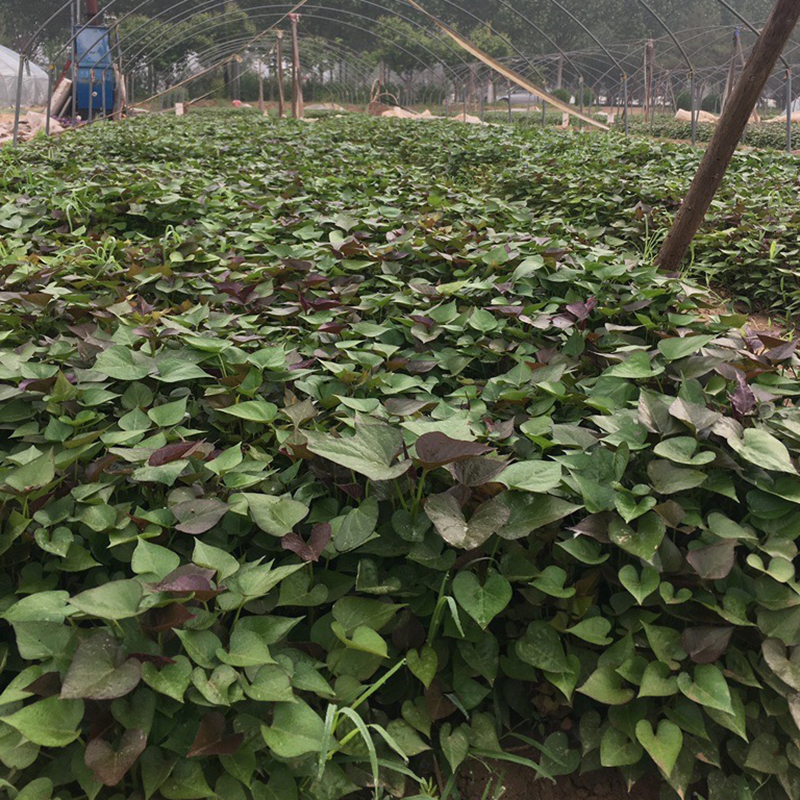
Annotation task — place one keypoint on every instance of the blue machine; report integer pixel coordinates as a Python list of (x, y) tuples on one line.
[(96, 85)]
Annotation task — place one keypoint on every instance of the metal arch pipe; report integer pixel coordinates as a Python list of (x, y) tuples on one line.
[(752, 28), (25, 55), (605, 50), (329, 47), (220, 20), (481, 22), (786, 64), (70, 42), (686, 58), (540, 31), (221, 3), (367, 30), (331, 19), (212, 5), (357, 27), (427, 66), (334, 48)]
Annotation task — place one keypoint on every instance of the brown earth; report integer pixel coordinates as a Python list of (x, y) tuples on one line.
[(476, 782)]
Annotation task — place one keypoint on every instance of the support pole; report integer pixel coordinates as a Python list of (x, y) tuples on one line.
[(91, 95), (789, 110), (297, 88), (728, 131), (49, 110), (261, 106), (18, 103), (693, 90), (625, 100), (279, 50), (76, 16)]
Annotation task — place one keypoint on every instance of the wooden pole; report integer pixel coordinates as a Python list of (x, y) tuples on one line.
[(649, 69), (281, 99), (297, 89), (731, 82), (728, 131), (261, 106)]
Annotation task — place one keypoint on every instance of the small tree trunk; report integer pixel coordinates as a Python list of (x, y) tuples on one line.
[(728, 131)]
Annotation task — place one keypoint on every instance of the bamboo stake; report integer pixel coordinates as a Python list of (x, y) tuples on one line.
[(505, 71)]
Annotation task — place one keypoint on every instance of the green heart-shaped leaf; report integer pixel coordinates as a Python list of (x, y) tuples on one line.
[(423, 664), (663, 746), (641, 587), (483, 602), (658, 681), (709, 687)]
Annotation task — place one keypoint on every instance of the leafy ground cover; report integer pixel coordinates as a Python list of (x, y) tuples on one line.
[(768, 135), (337, 455), (765, 134)]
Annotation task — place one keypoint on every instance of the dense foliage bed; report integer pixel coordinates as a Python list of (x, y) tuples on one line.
[(333, 455)]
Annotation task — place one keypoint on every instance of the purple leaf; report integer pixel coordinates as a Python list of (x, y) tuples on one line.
[(148, 658), (743, 400), (782, 352), (157, 620), (188, 578), (713, 562), (437, 449), (705, 644), (211, 739), (110, 766), (173, 452), (354, 490), (476, 471), (199, 516), (100, 671), (581, 311), (311, 550)]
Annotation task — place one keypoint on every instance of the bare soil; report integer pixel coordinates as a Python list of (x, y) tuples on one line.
[(476, 783)]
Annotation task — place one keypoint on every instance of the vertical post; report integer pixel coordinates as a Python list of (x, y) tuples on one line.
[(91, 94), (560, 72), (729, 129), (297, 88), (649, 59), (544, 113), (789, 109), (509, 101), (49, 110), (625, 101), (18, 104), (261, 106), (279, 49), (693, 90), (103, 90), (75, 68), (581, 90)]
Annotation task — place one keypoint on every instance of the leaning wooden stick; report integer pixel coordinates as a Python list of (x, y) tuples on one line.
[(728, 132)]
